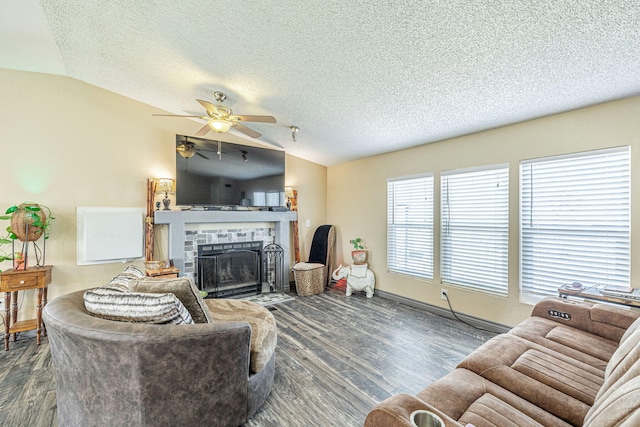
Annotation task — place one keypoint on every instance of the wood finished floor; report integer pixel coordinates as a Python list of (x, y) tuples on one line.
[(336, 358)]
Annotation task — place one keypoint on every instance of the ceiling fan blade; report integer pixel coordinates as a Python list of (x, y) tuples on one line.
[(203, 131), (252, 133), (202, 155), (264, 119), (174, 115), (209, 107)]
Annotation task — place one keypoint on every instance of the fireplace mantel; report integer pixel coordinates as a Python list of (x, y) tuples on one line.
[(178, 220)]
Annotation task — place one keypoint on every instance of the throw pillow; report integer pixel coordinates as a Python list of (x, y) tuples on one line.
[(114, 304), (123, 280), (118, 283), (183, 288), (133, 272)]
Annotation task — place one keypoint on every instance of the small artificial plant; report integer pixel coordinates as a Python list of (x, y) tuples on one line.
[(357, 243), (5, 240), (33, 214)]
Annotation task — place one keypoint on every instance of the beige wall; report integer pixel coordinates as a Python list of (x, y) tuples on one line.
[(310, 179), (66, 144), (357, 194)]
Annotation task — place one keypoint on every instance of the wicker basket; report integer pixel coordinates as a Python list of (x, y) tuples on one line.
[(310, 278)]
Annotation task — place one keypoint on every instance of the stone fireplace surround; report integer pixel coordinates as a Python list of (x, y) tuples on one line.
[(187, 229)]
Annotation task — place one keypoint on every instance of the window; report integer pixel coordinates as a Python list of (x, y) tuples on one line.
[(475, 228), (574, 221), (410, 226), (259, 198), (273, 198)]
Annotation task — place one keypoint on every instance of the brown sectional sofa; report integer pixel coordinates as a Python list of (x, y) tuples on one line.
[(571, 363)]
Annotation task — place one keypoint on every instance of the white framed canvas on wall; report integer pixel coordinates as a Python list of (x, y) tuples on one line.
[(109, 235)]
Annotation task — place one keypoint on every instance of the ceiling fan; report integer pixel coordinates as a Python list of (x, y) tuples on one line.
[(188, 149), (220, 118)]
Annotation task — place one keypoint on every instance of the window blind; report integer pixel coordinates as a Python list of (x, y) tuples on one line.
[(475, 228), (575, 215), (410, 226)]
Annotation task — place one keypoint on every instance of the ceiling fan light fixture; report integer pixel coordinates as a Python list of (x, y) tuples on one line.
[(220, 125), (184, 151)]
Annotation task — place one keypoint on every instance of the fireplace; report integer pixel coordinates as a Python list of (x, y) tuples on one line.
[(230, 269), (183, 231)]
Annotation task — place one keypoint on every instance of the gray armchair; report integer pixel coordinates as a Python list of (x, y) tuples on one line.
[(119, 373)]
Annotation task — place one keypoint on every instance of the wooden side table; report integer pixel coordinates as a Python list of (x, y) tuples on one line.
[(11, 282), (163, 273)]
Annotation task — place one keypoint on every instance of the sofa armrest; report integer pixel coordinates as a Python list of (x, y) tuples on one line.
[(607, 321), (396, 412)]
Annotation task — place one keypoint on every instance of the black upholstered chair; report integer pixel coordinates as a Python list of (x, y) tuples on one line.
[(314, 275)]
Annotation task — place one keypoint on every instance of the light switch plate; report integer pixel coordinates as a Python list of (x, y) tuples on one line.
[(307, 223)]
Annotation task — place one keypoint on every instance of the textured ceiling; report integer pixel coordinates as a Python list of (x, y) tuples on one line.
[(358, 78)]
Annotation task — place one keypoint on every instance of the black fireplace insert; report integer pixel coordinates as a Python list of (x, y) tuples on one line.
[(230, 269)]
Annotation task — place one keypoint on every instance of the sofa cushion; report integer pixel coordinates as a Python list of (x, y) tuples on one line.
[(114, 304), (625, 356), (588, 348), (635, 326), (613, 315), (624, 365), (618, 408), (562, 386), (264, 335), (181, 287), (468, 398)]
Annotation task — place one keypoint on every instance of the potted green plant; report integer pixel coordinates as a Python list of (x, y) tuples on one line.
[(5, 254), (358, 254), (29, 222)]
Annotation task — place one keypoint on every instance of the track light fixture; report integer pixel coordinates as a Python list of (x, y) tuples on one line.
[(294, 130)]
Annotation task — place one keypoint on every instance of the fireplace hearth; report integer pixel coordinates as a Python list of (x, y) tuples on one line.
[(230, 269)]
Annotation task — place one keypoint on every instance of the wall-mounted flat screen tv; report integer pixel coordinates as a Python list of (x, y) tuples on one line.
[(213, 173)]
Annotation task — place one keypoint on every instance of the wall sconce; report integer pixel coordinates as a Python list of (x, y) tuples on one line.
[(166, 186)]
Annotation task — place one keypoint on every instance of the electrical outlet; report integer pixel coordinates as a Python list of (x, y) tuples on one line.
[(443, 294)]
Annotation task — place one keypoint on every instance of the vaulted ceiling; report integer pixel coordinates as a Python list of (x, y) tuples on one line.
[(359, 78)]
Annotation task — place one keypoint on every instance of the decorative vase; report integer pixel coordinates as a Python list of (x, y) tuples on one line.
[(359, 257), (27, 214)]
